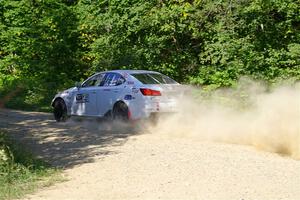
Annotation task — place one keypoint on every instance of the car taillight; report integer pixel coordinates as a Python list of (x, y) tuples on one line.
[(149, 92)]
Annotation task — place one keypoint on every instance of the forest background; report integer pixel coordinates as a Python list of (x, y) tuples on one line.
[(48, 45)]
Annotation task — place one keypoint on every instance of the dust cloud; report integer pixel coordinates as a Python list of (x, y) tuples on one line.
[(251, 114)]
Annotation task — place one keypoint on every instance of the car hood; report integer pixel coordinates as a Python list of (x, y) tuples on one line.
[(69, 90)]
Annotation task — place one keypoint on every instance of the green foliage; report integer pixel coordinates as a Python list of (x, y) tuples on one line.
[(38, 38), (51, 44), (38, 50), (205, 42), (19, 170)]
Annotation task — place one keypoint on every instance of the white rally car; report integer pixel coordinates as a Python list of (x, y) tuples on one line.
[(119, 94)]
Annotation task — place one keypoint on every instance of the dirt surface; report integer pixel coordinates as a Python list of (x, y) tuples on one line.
[(102, 162)]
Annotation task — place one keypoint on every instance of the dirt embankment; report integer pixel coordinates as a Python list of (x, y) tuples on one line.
[(102, 162)]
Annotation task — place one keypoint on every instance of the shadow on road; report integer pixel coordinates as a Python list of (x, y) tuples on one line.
[(64, 144)]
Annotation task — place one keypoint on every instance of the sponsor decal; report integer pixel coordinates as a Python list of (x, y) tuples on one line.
[(128, 97), (157, 106), (130, 83), (82, 98), (124, 74), (135, 90)]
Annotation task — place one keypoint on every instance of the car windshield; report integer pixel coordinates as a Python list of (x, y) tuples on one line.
[(153, 78)]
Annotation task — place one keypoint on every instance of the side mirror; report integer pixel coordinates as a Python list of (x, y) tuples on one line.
[(78, 84)]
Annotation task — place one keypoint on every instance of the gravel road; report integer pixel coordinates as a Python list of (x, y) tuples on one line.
[(102, 162)]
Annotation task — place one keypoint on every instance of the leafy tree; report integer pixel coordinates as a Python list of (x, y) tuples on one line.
[(38, 46), (47, 45), (206, 42)]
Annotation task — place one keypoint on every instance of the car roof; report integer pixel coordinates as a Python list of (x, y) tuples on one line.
[(130, 71)]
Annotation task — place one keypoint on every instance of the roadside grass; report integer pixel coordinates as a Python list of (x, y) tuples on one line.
[(20, 172)]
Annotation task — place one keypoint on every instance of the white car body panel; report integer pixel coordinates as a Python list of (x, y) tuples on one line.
[(98, 101)]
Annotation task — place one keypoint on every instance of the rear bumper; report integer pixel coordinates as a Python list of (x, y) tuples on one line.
[(162, 107), (154, 109), (142, 108)]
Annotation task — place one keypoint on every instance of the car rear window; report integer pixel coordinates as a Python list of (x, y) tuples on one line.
[(152, 78)]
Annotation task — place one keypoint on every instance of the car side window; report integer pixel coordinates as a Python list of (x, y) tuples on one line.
[(113, 79), (94, 81)]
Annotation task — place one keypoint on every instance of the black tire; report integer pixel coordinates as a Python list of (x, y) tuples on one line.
[(60, 110), (120, 112)]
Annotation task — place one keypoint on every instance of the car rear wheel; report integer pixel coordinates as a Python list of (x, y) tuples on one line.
[(60, 110), (121, 112)]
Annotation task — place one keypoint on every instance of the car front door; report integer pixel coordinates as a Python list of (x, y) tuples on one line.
[(110, 91), (85, 98)]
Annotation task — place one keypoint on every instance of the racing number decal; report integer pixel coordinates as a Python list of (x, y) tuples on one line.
[(82, 98)]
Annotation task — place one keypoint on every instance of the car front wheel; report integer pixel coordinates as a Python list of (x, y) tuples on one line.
[(60, 110)]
